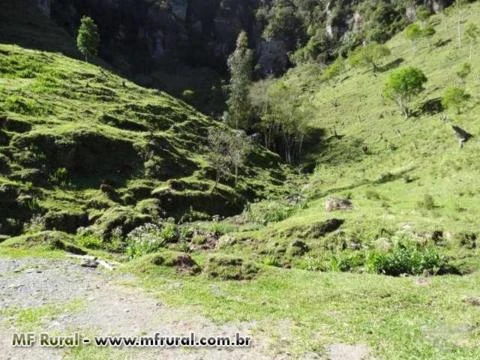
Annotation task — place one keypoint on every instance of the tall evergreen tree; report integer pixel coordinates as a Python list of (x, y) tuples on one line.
[(240, 66), (88, 39)]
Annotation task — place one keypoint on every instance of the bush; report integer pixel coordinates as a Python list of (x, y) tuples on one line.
[(271, 260), (90, 241), (464, 71), (144, 240), (149, 238), (265, 212), (372, 195), (345, 261), (59, 177), (455, 98), (334, 69), (405, 258)]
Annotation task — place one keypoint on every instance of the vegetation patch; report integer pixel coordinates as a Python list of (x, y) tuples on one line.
[(406, 258), (230, 268)]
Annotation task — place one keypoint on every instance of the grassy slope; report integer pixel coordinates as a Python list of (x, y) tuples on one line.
[(422, 148), (68, 126)]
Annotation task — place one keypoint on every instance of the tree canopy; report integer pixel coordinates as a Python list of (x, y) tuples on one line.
[(455, 98), (88, 39), (240, 66), (369, 55), (402, 85)]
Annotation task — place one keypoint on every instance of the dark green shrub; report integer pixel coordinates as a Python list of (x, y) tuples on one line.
[(345, 261), (405, 258)]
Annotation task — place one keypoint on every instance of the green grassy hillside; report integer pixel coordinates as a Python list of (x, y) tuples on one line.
[(77, 140), (406, 159)]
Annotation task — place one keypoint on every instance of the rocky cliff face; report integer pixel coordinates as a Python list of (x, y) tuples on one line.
[(158, 42), (138, 34)]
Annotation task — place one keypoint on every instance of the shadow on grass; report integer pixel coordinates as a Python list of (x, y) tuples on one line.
[(391, 65), (384, 178)]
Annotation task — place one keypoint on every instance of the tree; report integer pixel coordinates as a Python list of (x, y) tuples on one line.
[(227, 150), (240, 66), (239, 147), (369, 55), (415, 32), (88, 39), (455, 98), (459, 4), (402, 85), (284, 116), (217, 153), (472, 32)]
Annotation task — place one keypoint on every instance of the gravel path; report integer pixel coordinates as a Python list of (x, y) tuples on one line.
[(93, 301), (107, 308)]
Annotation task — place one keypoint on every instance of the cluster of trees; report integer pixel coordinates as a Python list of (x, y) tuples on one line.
[(405, 83), (282, 116), (301, 25), (273, 108)]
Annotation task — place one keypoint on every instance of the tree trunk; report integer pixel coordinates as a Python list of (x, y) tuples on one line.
[(300, 145), (217, 180), (459, 32), (236, 174)]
